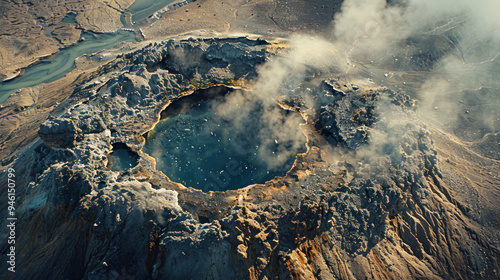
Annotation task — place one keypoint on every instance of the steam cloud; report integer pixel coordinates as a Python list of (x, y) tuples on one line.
[(452, 47), (280, 137), (442, 53), (456, 43)]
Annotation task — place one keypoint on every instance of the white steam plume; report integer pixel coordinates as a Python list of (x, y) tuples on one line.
[(457, 43)]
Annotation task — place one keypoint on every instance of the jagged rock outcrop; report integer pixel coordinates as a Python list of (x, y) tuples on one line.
[(152, 77), (366, 201)]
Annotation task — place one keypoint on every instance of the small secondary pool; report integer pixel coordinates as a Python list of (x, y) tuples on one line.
[(122, 158)]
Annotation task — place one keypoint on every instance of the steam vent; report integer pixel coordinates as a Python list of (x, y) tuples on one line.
[(264, 139)]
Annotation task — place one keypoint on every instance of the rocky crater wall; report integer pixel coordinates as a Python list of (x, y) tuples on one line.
[(367, 199)]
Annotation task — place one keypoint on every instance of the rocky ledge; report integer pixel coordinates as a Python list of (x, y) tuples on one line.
[(366, 201)]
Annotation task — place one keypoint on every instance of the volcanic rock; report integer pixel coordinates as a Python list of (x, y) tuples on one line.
[(369, 198)]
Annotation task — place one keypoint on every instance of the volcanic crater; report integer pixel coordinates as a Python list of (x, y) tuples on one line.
[(367, 191)]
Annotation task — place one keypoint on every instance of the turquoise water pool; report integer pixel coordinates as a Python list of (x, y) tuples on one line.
[(204, 150)]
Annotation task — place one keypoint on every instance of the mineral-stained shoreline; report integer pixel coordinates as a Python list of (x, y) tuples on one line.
[(351, 207)]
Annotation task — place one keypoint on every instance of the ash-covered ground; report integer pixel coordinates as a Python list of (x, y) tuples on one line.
[(398, 102)]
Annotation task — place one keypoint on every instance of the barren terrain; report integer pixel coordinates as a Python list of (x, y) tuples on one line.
[(399, 178)]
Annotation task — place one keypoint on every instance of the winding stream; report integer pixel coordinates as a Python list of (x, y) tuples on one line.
[(142, 9), (56, 67), (59, 65)]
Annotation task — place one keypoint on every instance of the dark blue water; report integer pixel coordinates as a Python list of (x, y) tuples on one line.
[(203, 150), (122, 158)]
